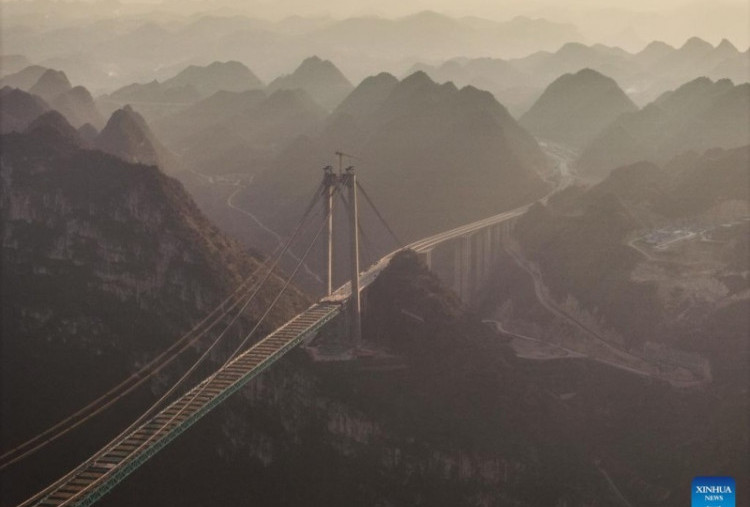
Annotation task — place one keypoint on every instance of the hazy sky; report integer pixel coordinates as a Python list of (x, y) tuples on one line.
[(411, 5), (599, 20), (617, 22), (342, 8), (338, 8)]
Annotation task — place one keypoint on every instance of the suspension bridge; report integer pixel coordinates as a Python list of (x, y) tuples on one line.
[(470, 250)]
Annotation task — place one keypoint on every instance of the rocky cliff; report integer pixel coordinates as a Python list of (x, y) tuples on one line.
[(104, 264)]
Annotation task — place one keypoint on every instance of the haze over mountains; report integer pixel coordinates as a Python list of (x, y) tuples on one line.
[(108, 47), (420, 145), (643, 75), (252, 132), (270, 47), (605, 20), (267, 133), (697, 116), (604, 233), (54, 89), (156, 99), (282, 138), (127, 136), (19, 109), (598, 354), (241, 132), (225, 76), (576, 107), (319, 78), (23, 78)]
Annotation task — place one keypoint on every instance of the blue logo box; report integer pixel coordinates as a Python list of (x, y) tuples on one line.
[(713, 492)]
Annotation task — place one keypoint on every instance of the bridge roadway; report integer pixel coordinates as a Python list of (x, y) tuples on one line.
[(422, 246), (100, 473), (105, 469)]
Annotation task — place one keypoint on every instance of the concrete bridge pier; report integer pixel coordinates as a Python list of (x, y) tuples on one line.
[(426, 257), (467, 267), (474, 256), (478, 266), (482, 258), (462, 267), (456, 285), (497, 241), (488, 252)]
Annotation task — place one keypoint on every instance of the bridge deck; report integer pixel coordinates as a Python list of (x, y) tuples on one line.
[(106, 468), (423, 245)]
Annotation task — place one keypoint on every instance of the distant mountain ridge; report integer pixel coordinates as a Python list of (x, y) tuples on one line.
[(229, 76), (241, 133), (128, 136), (24, 78), (78, 106), (153, 100), (53, 86), (699, 115), (54, 133), (18, 109), (408, 131), (175, 128), (154, 91), (434, 153), (368, 96), (361, 45), (577, 107), (643, 76), (321, 79), (159, 99)]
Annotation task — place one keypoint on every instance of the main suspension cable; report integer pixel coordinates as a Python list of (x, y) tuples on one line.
[(200, 387), (155, 405), (95, 407), (399, 243)]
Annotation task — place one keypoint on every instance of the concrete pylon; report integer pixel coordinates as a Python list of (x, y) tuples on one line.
[(457, 265), (496, 241), (426, 257), (478, 255), (466, 268), (350, 180), (488, 249), (329, 184)]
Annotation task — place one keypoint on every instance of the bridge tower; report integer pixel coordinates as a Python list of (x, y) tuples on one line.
[(329, 185), (349, 179), (331, 180)]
